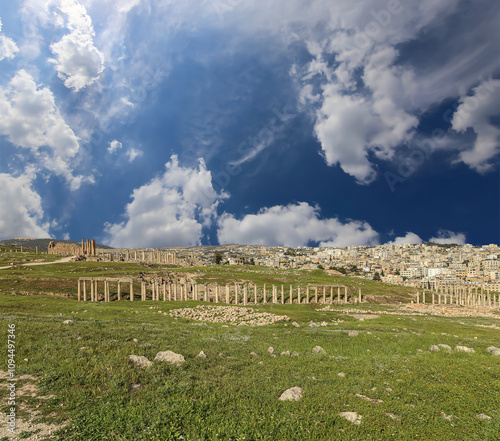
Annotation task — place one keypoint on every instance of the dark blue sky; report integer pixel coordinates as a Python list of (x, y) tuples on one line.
[(331, 123)]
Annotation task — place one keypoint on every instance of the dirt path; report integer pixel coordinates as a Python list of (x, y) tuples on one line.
[(64, 259)]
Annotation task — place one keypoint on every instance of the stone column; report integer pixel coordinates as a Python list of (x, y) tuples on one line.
[(264, 294), (79, 290), (245, 294), (359, 295), (298, 295), (84, 290), (216, 293), (331, 295), (291, 294), (338, 294), (164, 291), (418, 297), (345, 292), (275, 294), (228, 288), (282, 294), (315, 294), (324, 294), (433, 300), (236, 300), (92, 290), (307, 294), (207, 293), (131, 290), (169, 291), (119, 290)]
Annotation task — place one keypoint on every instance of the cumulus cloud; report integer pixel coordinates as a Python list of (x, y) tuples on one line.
[(476, 112), (114, 146), (133, 154), (21, 213), (294, 225), (30, 119), (78, 62), (170, 210), (449, 237), (8, 47), (408, 238)]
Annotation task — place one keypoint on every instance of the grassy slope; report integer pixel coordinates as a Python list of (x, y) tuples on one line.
[(230, 396)]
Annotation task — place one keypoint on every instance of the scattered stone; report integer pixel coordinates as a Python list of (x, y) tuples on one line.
[(319, 350), (201, 355), (464, 349), (352, 417), (292, 394), (135, 387), (67, 322), (341, 374), (296, 324), (371, 400), (254, 354), (392, 416), (493, 351), (353, 333), (170, 357), (446, 417), (270, 350), (135, 340), (434, 348), (446, 348), (313, 325), (295, 354), (140, 361), (285, 353), (482, 416)]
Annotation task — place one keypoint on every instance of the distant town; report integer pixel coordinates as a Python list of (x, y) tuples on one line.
[(429, 265)]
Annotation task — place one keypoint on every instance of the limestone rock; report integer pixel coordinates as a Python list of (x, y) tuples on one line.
[(201, 355), (319, 350), (140, 361), (493, 351), (67, 322), (434, 348), (285, 353), (296, 324), (482, 416), (292, 394), (295, 354), (170, 357), (341, 374), (353, 333), (464, 349), (446, 348), (254, 354), (371, 400), (352, 417), (270, 350)]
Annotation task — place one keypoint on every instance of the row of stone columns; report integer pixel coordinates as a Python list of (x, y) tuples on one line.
[(461, 296), (173, 291)]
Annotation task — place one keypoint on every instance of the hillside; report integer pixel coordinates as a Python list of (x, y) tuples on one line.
[(42, 244)]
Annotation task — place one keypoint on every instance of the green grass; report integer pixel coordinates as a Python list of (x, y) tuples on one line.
[(229, 395)]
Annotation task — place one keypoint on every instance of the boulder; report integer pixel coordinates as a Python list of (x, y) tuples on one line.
[(352, 417), (464, 349), (170, 357), (318, 350), (140, 361), (292, 394), (493, 351)]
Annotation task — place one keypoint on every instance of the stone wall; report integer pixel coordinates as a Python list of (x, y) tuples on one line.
[(64, 248)]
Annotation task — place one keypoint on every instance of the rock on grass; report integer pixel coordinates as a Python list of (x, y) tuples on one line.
[(319, 350), (170, 357), (292, 394), (140, 361), (352, 417), (434, 348), (493, 351), (464, 349)]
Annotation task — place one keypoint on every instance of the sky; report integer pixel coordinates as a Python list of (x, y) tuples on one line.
[(157, 123)]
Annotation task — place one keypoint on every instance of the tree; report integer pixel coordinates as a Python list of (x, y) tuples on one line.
[(218, 257), (382, 274), (377, 277)]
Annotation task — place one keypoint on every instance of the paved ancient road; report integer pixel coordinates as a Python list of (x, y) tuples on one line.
[(64, 259)]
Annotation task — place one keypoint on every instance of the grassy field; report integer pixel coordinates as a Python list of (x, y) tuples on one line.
[(87, 385)]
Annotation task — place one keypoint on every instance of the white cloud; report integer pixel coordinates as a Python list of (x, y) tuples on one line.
[(8, 47), (294, 225), (30, 119), (114, 146), (133, 154), (408, 238), (475, 112), (78, 62), (170, 210), (449, 237), (21, 213)]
